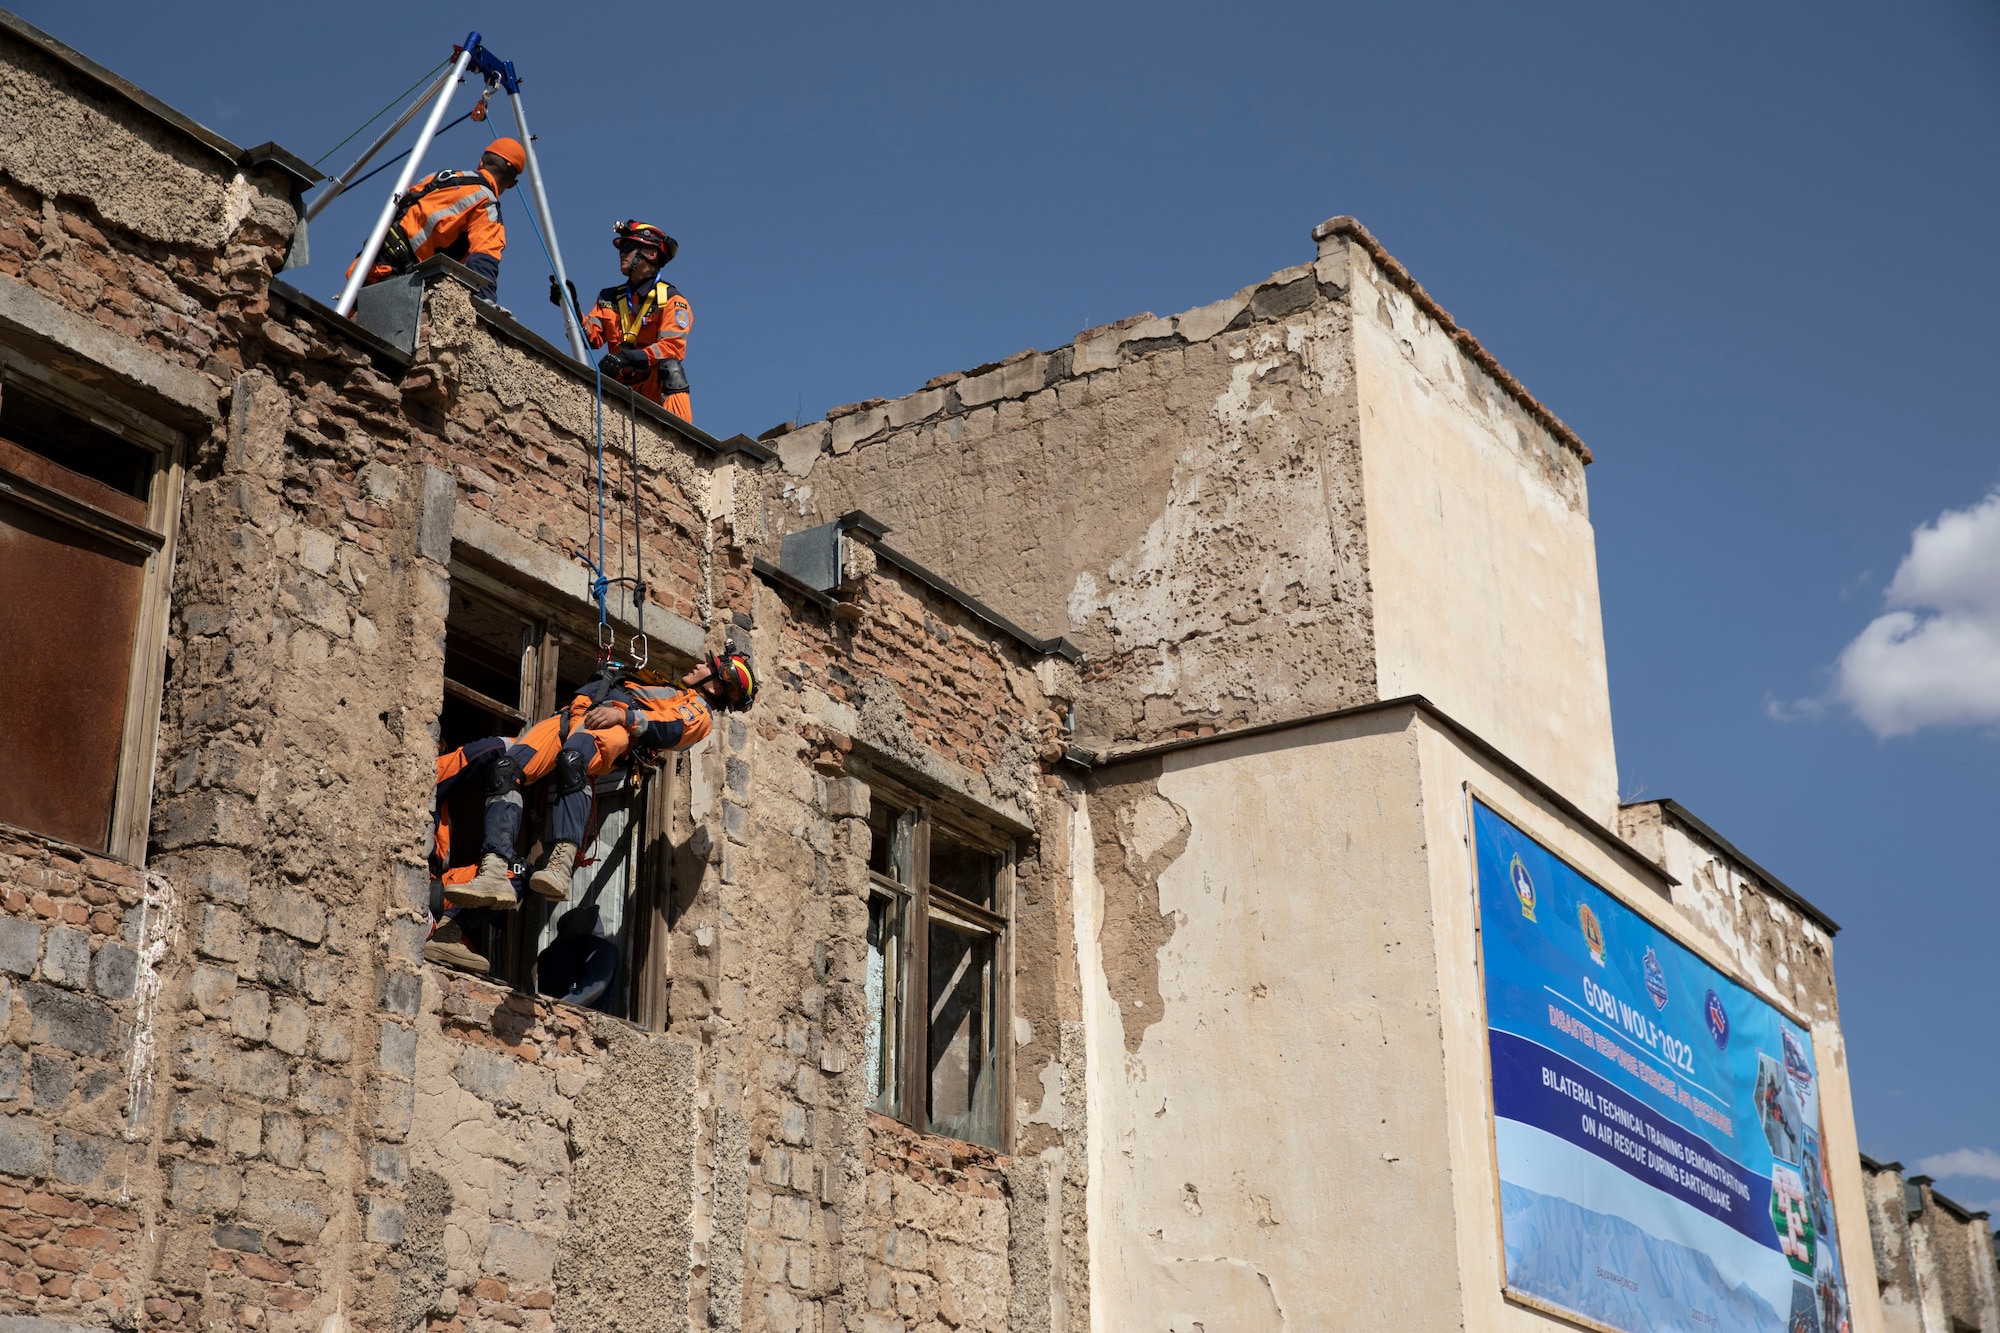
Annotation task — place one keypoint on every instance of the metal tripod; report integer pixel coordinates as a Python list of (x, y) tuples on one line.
[(496, 72)]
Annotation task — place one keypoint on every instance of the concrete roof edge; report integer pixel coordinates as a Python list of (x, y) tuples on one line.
[(515, 331), (861, 520), (338, 327), (1416, 703), (1057, 646), (1955, 1208), (1778, 886), (120, 87), (1351, 227)]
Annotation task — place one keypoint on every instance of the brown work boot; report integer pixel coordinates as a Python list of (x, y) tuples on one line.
[(552, 880), (447, 945), (493, 886)]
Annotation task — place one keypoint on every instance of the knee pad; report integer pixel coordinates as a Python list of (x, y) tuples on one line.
[(504, 776), (572, 771)]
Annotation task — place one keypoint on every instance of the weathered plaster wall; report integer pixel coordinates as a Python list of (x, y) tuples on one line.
[(1936, 1263), (1294, 990), (1176, 495), (1481, 555)]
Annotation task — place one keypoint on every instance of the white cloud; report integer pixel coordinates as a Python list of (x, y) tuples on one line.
[(1934, 658), (1983, 1163)]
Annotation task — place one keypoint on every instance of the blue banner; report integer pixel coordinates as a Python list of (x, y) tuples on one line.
[(1657, 1125)]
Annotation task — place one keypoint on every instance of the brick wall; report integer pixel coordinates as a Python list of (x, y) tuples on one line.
[(73, 930)]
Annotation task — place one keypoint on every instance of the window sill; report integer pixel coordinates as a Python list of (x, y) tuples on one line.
[(964, 1168)]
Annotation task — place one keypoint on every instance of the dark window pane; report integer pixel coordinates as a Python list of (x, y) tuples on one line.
[(965, 872), (41, 427), (963, 1081), (69, 606)]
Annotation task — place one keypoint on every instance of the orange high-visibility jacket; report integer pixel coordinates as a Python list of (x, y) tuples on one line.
[(654, 320), (455, 214)]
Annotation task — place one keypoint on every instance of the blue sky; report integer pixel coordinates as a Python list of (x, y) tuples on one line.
[(1747, 251)]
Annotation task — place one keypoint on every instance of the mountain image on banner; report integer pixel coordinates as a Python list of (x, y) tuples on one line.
[(1555, 1251)]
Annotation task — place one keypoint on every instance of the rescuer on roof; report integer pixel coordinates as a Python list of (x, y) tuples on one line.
[(644, 321), (455, 214), (621, 712)]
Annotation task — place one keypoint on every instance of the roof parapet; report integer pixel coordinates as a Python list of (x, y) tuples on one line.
[(1350, 227), (810, 564)]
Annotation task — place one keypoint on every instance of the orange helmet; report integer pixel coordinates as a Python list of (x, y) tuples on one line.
[(644, 235), (509, 150)]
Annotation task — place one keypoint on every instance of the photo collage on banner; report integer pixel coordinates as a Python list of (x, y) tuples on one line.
[(1657, 1125)]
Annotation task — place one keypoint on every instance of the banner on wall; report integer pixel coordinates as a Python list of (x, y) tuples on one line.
[(1657, 1125)]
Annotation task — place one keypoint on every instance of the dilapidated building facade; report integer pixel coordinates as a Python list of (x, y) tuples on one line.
[(1075, 935)]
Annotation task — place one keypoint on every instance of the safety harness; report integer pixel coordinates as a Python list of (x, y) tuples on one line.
[(396, 251), (632, 321)]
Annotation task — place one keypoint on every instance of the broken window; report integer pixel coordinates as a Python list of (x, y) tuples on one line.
[(511, 660), (89, 493), (937, 970)]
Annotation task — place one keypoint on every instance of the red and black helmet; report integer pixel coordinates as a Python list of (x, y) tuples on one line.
[(633, 234), (738, 683)]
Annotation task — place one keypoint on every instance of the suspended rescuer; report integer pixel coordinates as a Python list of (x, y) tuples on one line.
[(447, 943), (643, 320), (622, 712), (455, 214)]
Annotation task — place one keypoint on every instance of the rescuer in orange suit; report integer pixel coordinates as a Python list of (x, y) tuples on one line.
[(644, 321), (619, 711), (455, 214)]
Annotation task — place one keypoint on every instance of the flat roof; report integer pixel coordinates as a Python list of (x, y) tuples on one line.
[(1624, 851)]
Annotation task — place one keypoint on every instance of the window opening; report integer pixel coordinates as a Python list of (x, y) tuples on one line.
[(45, 428), (937, 974), (84, 516), (889, 879), (507, 667)]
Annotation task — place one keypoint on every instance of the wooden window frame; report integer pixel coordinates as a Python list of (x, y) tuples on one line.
[(919, 896), (155, 537), (647, 977)]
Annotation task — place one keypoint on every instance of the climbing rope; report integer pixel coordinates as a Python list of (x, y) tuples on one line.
[(430, 74), (601, 583)]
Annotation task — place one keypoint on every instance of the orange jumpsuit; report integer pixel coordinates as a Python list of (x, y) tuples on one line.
[(657, 717), (450, 213), (654, 320)]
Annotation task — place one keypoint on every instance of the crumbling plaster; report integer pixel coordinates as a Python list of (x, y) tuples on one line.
[(68, 139), (1172, 494)]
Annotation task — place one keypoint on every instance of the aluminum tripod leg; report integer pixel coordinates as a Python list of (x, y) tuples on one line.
[(541, 199), (355, 279), (334, 188)]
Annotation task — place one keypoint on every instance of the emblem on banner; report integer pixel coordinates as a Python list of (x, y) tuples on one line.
[(1656, 979), (1718, 1020), (1593, 934), (1524, 887)]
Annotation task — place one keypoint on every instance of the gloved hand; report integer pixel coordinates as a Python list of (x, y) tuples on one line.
[(629, 363), (555, 291)]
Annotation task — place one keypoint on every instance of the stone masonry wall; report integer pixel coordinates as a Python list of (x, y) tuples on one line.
[(1174, 494), (770, 960), (75, 935), (1936, 1266), (221, 1130)]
